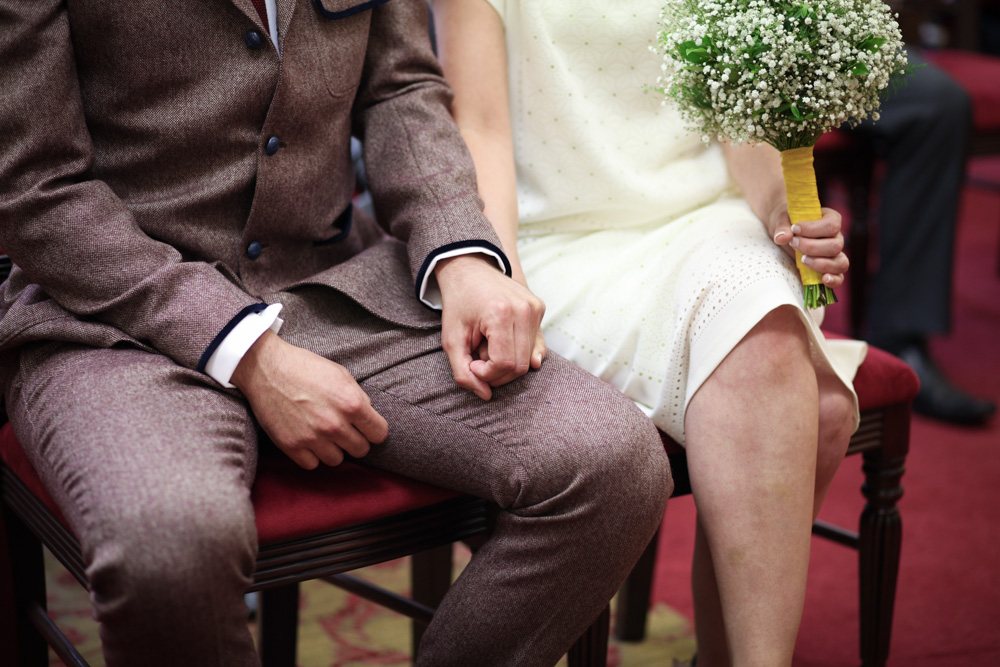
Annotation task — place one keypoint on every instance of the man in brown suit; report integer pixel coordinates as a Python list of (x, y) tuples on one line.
[(173, 175)]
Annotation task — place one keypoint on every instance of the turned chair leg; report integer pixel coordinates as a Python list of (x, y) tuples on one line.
[(634, 596), (591, 650), (24, 551), (430, 574), (880, 538), (278, 623)]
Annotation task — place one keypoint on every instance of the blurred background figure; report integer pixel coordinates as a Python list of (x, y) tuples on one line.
[(923, 138)]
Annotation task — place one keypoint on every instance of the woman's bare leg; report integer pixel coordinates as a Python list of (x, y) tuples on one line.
[(835, 423), (752, 432)]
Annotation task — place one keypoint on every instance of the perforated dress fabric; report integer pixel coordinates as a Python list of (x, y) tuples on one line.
[(651, 264)]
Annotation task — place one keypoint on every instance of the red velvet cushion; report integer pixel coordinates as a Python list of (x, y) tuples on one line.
[(291, 502), (979, 75), (884, 379)]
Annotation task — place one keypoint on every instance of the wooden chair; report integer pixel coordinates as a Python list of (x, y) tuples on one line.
[(885, 386), (311, 525)]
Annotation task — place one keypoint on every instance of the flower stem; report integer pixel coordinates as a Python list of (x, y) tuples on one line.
[(803, 205)]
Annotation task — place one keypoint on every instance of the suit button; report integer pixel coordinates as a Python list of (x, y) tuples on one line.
[(253, 39), (273, 144), (254, 249)]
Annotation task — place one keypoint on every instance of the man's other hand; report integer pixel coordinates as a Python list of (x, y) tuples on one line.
[(489, 324), (312, 408)]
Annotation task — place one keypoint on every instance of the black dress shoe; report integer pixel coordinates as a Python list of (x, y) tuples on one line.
[(939, 398)]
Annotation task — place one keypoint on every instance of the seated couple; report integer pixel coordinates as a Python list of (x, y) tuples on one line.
[(191, 280)]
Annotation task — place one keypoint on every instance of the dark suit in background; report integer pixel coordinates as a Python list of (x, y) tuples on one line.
[(923, 135)]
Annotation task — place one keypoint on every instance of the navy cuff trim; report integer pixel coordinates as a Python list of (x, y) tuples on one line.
[(350, 11), (343, 222), (214, 345), (457, 245)]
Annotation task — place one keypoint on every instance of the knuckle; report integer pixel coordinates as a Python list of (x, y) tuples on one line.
[(501, 308), (334, 456), (352, 404), (505, 365)]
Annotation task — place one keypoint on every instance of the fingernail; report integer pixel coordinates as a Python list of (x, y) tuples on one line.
[(796, 229), (807, 260), (779, 237), (794, 242), (828, 279)]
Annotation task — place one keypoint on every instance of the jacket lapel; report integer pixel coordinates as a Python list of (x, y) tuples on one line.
[(247, 8)]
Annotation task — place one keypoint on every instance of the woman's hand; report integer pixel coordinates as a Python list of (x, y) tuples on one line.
[(820, 242)]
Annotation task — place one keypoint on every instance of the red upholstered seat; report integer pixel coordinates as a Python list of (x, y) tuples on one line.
[(979, 75), (291, 502)]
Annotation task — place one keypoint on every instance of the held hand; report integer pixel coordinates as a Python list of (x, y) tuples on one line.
[(820, 241), (489, 324), (540, 349), (311, 407)]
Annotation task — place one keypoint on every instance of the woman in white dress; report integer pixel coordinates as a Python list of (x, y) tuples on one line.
[(665, 265)]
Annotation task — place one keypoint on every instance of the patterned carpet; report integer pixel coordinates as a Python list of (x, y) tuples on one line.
[(340, 630)]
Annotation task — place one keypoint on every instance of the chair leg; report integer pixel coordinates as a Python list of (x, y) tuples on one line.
[(27, 589), (591, 649), (278, 625), (634, 596), (430, 578), (881, 534)]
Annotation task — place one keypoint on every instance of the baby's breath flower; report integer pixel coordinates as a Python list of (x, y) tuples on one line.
[(778, 71)]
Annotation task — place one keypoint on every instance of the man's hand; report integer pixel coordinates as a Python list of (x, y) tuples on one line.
[(489, 324), (819, 240), (311, 407)]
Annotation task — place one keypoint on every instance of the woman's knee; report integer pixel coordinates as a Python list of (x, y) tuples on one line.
[(836, 424), (774, 351)]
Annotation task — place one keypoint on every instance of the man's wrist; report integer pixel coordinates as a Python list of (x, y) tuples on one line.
[(428, 287), (253, 360)]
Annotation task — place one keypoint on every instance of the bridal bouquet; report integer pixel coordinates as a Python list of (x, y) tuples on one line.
[(782, 73)]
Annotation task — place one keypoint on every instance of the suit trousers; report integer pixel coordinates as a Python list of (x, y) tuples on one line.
[(923, 135), (152, 464)]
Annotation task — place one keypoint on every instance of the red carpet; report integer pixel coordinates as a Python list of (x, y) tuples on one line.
[(948, 598)]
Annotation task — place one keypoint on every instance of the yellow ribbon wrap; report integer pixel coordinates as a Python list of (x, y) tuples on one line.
[(803, 205)]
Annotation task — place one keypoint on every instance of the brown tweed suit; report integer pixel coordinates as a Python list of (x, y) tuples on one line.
[(163, 171)]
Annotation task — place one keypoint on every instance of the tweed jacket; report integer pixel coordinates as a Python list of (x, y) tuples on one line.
[(164, 170)]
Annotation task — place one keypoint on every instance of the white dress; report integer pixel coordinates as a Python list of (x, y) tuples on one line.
[(651, 265)]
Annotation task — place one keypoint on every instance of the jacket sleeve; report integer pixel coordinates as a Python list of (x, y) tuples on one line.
[(420, 173), (71, 234)]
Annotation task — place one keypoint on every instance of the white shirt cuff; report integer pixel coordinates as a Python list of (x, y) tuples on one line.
[(227, 355), (430, 293)]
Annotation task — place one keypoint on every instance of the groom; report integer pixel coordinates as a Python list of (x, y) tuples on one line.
[(191, 279)]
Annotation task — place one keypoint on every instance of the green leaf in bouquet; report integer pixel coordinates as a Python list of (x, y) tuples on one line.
[(872, 44), (860, 69), (693, 53)]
